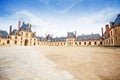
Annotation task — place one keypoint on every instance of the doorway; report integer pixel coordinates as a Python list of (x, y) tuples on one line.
[(26, 42)]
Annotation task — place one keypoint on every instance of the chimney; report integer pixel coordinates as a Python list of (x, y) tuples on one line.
[(23, 23), (10, 30), (107, 28), (34, 34), (18, 25), (30, 26), (75, 34), (102, 31), (67, 34), (111, 25)]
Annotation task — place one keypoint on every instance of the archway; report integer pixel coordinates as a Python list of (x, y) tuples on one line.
[(26, 42)]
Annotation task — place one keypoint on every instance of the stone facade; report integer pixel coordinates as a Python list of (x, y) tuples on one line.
[(22, 36), (25, 37), (111, 36)]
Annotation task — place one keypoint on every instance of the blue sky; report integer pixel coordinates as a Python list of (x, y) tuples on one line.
[(59, 16)]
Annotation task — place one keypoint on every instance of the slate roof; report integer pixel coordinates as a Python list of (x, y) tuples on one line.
[(14, 31), (59, 39), (88, 37), (48, 37), (117, 20), (71, 35), (24, 27), (4, 33)]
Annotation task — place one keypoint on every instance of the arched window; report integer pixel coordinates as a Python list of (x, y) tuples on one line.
[(95, 43), (79, 43), (8, 41), (15, 42), (89, 43), (84, 43)]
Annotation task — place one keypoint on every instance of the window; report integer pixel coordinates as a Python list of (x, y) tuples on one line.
[(115, 31), (15, 37), (89, 43), (95, 43), (26, 29), (111, 33), (21, 42), (26, 34), (111, 41), (75, 43), (21, 38), (8, 36), (79, 43), (116, 38), (21, 33), (0, 35), (8, 41), (15, 42), (84, 43), (101, 42)]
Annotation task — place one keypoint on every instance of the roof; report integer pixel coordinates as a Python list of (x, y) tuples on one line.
[(48, 37), (24, 27), (71, 35), (14, 31), (4, 33), (59, 39), (88, 37), (117, 20)]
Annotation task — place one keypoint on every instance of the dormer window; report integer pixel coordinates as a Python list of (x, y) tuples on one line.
[(27, 29), (16, 33), (8, 36)]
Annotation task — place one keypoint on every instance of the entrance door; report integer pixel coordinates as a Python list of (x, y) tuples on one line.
[(26, 42)]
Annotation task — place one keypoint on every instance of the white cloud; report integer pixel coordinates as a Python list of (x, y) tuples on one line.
[(38, 25), (92, 22), (89, 23)]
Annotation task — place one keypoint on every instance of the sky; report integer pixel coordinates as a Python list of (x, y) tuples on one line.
[(58, 17)]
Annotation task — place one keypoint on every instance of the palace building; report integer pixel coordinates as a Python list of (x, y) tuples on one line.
[(26, 37), (111, 36)]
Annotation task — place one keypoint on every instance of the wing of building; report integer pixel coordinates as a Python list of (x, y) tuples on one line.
[(26, 37), (111, 36)]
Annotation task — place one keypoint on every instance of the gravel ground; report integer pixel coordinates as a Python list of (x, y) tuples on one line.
[(27, 63), (86, 63)]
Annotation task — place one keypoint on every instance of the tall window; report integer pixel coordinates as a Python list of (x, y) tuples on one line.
[(79, 43), (89, 43), (8, 42), (0, 35), (111, 33), (111, 41), (21, 33), (15, 42), (95, 43), (26, 34), (15, 37), (84, 43), (115, 31), (116, 38)]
